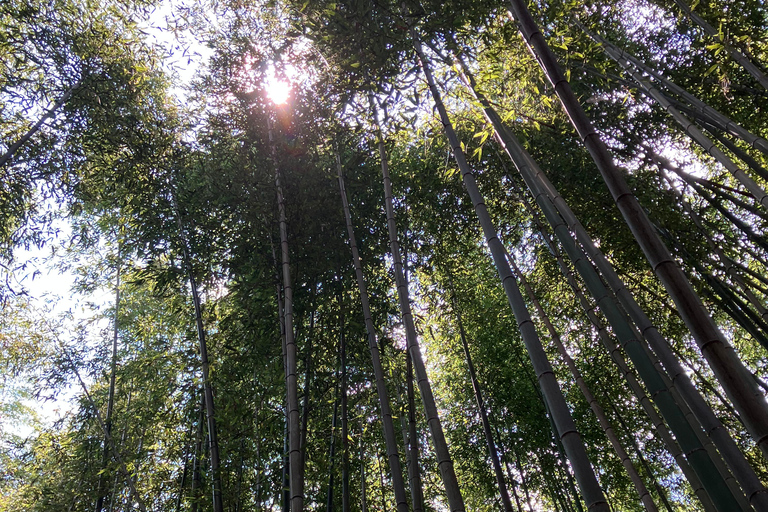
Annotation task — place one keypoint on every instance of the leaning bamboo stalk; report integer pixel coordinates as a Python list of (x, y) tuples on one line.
[(690, 128), (13, 148), (645, 402), (735, 54), (393, 456), (569, 436), (213, 444), (728, 368), (492, 451), (706, 111), (694, 451), (727, 263), (642, 491)]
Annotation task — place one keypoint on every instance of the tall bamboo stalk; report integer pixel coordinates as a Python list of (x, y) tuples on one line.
[(569, 436), (493, 453), (292, 400), (642, 491), (656, 421), (548, 197), (213, 444), (393, 456), (728, 368), (112, 381), (444, 462), (690, 128), (707, 112)]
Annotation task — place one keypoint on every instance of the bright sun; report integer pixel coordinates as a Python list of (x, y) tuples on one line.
[(278, 91)]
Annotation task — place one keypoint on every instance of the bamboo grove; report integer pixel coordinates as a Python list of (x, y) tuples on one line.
[(487, 256)]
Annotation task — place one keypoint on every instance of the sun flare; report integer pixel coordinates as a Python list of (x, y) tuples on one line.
[(278, 91)]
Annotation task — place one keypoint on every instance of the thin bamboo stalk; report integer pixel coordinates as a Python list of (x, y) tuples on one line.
[(393, 456)]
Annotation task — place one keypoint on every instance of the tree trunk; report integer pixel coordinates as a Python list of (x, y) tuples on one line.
[(393, 456), (590, 488)]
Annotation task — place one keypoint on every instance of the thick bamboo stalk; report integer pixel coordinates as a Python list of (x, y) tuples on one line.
[(393, 456), (642, 491), (726, 365), (569, 436), (658, 424)]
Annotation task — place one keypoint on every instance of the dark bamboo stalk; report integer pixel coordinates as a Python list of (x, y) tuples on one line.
[(493, 453), (344, 423), (727, 367), (414, 469), (393, 456), (702, 109), (574, 447), (332, 449), (112, 381), (213, 444)]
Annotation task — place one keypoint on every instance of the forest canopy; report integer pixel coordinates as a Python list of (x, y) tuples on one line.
[(384, 256)]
